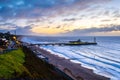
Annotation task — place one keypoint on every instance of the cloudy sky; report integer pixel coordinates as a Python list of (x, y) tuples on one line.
[(61, 17)]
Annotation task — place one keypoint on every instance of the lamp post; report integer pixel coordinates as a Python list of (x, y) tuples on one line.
[(15, 32), (94, 39)]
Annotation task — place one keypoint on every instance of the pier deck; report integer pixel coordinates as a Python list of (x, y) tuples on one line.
[(67, 44)]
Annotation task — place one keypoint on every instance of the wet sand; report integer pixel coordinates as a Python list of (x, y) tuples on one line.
[(74, 70)]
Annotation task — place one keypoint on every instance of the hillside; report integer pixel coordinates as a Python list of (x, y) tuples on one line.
[(11, 64), (23, 64)]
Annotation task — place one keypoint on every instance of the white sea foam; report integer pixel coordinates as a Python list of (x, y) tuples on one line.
[(100, 61)]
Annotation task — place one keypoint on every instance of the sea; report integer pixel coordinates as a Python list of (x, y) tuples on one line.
[(103, 58)]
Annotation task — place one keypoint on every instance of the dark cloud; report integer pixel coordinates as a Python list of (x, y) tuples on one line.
[(116, 14), (105, 20), (27, 8), (7, 24), (47, 27), (71, 19), (93, 30), (107, 12), (23, 30), (93, 17), (37, 8), (19, 30), (58, 27)]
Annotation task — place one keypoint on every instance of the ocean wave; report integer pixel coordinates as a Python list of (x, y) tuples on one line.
[(103, 65)]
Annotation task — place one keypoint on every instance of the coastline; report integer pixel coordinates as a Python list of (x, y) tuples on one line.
[(74, 70)]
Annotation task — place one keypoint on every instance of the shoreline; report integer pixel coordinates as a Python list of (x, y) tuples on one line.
[(40, 69), (74, 70)]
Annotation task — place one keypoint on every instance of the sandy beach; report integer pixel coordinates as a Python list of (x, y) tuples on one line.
[(74, 70)]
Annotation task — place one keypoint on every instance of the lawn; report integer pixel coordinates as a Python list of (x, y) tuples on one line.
[(17, 64), (11, 64)]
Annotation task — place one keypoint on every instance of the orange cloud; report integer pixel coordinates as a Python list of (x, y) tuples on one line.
[(47, 30)]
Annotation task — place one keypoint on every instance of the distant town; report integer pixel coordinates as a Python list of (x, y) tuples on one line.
[(8, 42)]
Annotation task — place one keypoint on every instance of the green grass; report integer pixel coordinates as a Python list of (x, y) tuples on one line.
[(22, 64), (11, 64)]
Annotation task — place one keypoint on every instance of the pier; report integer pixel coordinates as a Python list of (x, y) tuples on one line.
[(70, 43), (66, 44)]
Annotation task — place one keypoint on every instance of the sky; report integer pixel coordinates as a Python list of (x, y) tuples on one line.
[(61, 17)]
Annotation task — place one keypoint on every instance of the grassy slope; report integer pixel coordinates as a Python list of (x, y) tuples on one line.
[(19, 64), (11, 64)]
